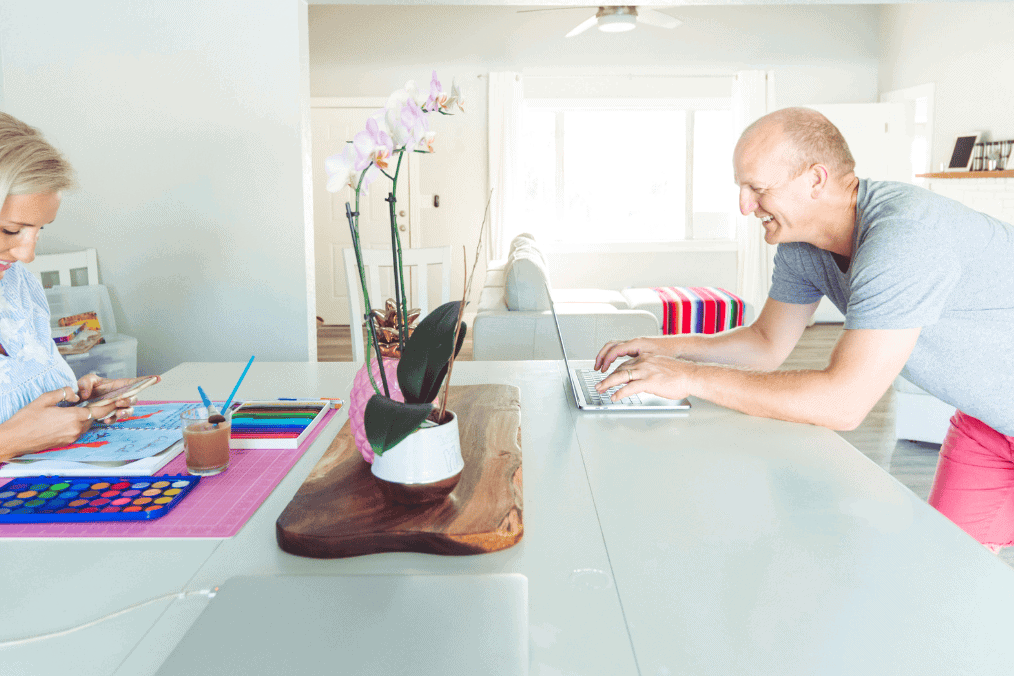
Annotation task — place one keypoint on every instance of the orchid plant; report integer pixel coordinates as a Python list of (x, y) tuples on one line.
[(400, 127)]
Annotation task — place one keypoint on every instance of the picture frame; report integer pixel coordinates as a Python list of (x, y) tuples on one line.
[(964, 151)]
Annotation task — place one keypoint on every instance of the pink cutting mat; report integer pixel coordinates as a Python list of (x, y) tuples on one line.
[(217, 507)]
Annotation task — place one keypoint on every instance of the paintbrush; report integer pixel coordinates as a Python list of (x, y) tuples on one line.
[(225, 407), (214, 416)]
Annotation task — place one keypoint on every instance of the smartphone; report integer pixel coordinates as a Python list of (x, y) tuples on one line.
[(120, 392)]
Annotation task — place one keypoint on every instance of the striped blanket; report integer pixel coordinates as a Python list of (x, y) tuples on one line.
[(698, 309)]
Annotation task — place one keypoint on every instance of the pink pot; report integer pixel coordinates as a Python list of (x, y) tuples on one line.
[(362, 390)]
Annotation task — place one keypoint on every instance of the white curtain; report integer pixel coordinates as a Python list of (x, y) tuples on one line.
[(506, 97), (752, 97)]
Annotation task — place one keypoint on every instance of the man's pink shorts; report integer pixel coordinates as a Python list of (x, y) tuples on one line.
[(974, 484)]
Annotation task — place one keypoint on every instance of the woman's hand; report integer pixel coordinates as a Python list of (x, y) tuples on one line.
[(43, 424), (93, 385)]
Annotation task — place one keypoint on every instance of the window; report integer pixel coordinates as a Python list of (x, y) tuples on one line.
[(632, 174)]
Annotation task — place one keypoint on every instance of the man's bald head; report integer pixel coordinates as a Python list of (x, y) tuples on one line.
[(803, 137)]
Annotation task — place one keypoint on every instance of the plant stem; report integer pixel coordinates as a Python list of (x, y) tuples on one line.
[(357, 247), (401, 301), (464, 300)]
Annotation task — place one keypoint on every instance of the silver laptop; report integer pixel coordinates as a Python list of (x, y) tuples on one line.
[(376, 625), (587, 398)]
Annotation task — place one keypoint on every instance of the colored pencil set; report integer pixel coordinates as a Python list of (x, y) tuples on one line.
[(275, 424)]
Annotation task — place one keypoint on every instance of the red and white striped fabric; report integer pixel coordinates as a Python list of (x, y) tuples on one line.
[(698, 309)]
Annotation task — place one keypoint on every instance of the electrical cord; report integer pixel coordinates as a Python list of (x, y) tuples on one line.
[(210, 593)]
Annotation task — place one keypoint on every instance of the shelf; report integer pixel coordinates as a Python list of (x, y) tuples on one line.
[(1006, 173)]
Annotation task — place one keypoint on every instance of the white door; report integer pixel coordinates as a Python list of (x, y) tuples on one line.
[(332, 126), (878, 137)]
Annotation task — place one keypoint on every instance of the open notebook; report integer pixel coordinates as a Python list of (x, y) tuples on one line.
[(376, 625)]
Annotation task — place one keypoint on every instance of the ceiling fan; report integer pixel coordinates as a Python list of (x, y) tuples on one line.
[(618, 18)]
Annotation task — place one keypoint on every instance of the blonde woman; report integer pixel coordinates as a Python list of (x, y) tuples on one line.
[(36, 384)]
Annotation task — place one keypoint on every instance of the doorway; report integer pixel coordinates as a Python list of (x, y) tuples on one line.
[(333, 122)]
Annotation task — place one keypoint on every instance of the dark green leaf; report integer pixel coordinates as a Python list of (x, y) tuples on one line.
[(423, 363), (461, 337), (388, 422)]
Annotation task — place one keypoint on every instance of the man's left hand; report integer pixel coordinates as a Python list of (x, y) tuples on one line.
[(664, 376)]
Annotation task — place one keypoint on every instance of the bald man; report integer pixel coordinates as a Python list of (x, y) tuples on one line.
[(927, 289)]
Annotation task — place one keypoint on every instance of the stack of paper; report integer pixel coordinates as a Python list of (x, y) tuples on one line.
[(138, 445)]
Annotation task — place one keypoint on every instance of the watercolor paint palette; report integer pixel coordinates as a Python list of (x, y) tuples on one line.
[(44, 499)]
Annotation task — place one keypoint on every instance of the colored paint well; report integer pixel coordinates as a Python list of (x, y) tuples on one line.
[(42, 499)]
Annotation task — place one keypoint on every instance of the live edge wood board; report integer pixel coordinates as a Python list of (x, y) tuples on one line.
[(340, 512)]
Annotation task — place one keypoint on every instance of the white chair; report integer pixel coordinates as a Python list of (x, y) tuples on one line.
[(416, 263), (57, 269)]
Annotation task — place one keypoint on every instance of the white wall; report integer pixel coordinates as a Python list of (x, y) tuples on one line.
[(183, 121), (966, 50), (820, 54)]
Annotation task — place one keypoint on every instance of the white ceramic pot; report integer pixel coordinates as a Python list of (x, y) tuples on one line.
[(424, 467)]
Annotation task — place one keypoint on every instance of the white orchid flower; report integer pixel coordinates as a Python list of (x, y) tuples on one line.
[(373, 144), (405, 119), (427, 142), (418, 96), (438, 97), (457, 98), (340, 169)]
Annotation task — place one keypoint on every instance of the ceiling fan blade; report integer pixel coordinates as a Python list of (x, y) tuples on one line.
[(553, 9), (582, 27), (653, 17)]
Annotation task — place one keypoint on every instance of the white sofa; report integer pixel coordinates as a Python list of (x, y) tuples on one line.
[(919, 416), (514, 322)]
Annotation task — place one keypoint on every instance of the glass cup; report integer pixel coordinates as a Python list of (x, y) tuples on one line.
[(206, 444)]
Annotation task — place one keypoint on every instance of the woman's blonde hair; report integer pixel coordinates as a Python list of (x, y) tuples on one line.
[(28, 163)]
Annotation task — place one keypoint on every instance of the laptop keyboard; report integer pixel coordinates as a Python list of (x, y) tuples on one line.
[(590, 378)]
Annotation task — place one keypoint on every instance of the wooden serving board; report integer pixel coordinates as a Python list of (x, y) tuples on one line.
[(339, 510)]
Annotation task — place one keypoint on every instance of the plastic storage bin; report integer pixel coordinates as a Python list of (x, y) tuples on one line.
[(117, 356)]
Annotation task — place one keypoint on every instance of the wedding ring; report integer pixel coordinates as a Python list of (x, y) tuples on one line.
[(89, 415), (630, 376), (64, 388)]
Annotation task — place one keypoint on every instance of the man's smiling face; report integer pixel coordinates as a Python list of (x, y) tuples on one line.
[(768, 190)]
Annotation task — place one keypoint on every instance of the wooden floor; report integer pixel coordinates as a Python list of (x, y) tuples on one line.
[(912, 463)]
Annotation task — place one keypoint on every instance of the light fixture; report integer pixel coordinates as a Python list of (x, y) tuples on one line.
[(617, 19)]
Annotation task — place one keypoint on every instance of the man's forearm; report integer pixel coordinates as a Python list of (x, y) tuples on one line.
[(805, 396), (743, 346)]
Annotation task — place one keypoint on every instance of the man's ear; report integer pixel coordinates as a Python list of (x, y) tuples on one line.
[(818, 176)]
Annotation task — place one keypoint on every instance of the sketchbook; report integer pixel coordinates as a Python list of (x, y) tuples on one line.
[(137, 445)]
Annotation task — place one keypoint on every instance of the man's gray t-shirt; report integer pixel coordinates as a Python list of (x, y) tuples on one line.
[(923, 260)]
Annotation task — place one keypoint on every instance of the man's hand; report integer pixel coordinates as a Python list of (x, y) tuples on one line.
[(665, 376), (615, 349)]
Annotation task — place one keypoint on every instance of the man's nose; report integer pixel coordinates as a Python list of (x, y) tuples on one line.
[(747, 201)]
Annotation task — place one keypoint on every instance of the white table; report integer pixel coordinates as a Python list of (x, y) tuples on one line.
[(654, 544)]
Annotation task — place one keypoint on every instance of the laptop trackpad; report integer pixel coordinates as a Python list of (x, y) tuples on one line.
[(360, 624)]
